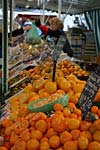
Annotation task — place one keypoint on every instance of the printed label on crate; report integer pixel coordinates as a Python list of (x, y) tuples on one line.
[(89, 92)]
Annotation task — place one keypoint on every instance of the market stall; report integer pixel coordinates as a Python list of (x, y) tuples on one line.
[(53, 101)]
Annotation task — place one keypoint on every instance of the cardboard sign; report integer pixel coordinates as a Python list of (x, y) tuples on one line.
[(58, 47), (89, 92)]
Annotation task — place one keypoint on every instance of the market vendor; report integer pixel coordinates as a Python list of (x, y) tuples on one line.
[(14, 34), (54, 31)]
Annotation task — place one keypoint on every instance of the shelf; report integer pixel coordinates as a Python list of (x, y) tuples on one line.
[(14, 76), (16, 64), (18, 82)]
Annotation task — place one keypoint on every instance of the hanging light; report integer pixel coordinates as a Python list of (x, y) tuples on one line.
[(27, 6)]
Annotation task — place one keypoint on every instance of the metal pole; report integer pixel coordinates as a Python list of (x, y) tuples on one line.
[(59, 8), (5, 47), (11, 9), (43, 11)]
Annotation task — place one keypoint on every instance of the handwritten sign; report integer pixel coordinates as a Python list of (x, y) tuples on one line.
[(89, 92), (58, 47)]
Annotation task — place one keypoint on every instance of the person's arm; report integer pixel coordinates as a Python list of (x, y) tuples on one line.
[(44, 29), (19, 31)]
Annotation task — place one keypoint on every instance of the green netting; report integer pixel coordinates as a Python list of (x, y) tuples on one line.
[(34, 106)]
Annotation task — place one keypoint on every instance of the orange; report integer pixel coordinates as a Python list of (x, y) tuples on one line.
[(32, 144), (7, 145), (41, 125), (70, 145), (20, 145), (8, 130), (44, 94), (64, 85), (50, 132), (13, 138), (73, 115), (75, 134), (97, 124), (92, 128), (25, 135), (28, 88), (87, 134), (94, 145), (59, 91), (23, 111), (66, 112), (71, 106), (38, 84), (84, 125), (36, 134), (73, 123), (83, 142), (50, 87), (33, 98), (99, 113), (78, 112), (58, 122), (44, 145), (58, 107), (41, 91), (54, 141), (96, 136), (65, 136), (44, 139), (6, 122), (94, 109), (3, 148), (60, 148)]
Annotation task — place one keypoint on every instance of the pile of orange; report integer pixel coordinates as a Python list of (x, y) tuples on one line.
[(65, 130)]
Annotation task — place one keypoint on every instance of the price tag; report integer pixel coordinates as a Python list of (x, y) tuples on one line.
[(88, 94), (58, 47)]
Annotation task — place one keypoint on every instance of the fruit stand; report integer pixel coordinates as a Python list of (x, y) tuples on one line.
[(42, 113), (45, 107), (61, 126)]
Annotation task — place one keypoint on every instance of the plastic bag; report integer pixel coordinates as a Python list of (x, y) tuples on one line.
[(32, 36)]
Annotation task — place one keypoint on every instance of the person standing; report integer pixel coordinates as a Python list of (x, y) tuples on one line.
[(55, 31)]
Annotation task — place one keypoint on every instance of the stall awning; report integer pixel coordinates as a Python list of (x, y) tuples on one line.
[(76, 6)]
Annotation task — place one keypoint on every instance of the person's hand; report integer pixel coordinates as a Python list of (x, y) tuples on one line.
[(27, 27)]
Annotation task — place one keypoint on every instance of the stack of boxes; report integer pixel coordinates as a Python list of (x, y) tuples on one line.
[(83, 47)]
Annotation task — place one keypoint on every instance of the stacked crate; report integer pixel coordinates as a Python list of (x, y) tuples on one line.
[(75, 39), (90, 46), (75, 43)]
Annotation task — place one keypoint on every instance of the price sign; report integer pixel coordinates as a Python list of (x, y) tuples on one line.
[(58, 47), (57, 50), (89, 92)]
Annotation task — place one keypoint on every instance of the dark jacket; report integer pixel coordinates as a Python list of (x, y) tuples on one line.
[(66, 49), (56, 34)]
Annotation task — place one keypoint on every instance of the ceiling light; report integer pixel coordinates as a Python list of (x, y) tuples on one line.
[(27, 6)]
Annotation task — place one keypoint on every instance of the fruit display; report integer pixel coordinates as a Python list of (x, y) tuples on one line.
[(61, 129), (20, 57)]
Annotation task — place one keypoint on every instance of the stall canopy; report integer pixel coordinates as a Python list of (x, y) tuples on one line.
[(91, 9), (76, 6)]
